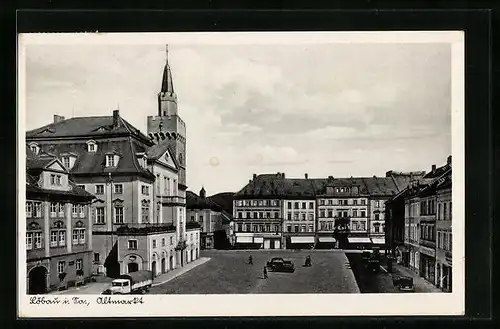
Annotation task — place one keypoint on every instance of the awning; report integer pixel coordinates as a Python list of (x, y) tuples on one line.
[(302, 239), (258, 240), (358, 240), (378, 240), (326, 239), (244, 239)]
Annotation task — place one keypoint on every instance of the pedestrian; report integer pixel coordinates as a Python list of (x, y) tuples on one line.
[(250, 260), (265, 272)]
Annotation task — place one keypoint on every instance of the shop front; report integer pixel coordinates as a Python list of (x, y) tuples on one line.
[(358, 242), (300, 242), (427, 264), (326, 242)]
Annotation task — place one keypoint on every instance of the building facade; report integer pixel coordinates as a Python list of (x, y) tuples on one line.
[(444, 234), (139, 181), (213, 220), (258, 213), (58, 227)]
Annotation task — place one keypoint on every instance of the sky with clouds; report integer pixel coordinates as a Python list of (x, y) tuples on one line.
[(323, 109)]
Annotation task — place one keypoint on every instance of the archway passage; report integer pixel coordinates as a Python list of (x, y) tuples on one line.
[(163, 265), (171, 263), (153, 267), (133, 267), (37, 281), (192, 253)]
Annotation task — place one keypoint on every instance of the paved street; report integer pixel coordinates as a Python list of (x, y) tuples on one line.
[(228, 273)]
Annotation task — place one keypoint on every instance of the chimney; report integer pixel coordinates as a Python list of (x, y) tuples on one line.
[(448, 161), (254, 176), (116, 118), (283, 175), (389, 173), (433, 168), (58, 118), (306, 176)]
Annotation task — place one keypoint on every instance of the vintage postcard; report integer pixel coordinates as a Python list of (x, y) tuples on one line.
[(241, 174)]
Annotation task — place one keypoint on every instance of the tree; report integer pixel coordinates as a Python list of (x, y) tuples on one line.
[(341, 230)]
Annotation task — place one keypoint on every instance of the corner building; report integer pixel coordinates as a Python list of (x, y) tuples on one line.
[(58, 227), (139, 182)]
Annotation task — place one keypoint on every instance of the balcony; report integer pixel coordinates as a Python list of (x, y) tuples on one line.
[(427, 243), (147, 228)]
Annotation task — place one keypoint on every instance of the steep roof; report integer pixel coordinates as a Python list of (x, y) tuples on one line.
[(194, 201), (34, 168), (225, 200), (380, 186), (293, 187), (438, 172), (93, 163), (264, 185), (86, 126)]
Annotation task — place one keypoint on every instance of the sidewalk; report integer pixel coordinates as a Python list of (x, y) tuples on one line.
[(420, 284), (164, 278), (96, 288)]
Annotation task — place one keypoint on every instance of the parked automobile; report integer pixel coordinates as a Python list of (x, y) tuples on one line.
[(135, 282), (278, 264), (403, 283)]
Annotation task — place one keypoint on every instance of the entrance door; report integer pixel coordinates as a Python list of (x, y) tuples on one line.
[(133, 267), (266, 244), (163, 265), (272, 244), (153, 267), (171, 263), (277, 244), (37, 280), (192, 251)]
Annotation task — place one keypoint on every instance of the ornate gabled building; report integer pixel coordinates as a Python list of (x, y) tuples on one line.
[(58, 227), (139, 182)]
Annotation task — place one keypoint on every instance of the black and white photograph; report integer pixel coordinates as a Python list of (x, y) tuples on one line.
[(224, 174)]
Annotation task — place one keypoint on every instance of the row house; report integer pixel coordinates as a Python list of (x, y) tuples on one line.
[(214, 221), (139, 181), (414, 234), (58, 227), (258, 213), (444, 233), (313, 210)]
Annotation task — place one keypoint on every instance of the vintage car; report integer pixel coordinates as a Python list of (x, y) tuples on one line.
[(278, 264), (403, 283)]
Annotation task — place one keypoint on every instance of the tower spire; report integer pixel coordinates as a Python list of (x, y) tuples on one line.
[(166, 53)]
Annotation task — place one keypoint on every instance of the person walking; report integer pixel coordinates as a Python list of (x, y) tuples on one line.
[(265, 272), (250, 260)]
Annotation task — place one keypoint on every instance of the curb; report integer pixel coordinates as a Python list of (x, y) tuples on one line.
[(183, 270)]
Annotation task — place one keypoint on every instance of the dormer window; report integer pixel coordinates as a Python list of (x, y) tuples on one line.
[(68, 160), (112, 160), (91, 146), (34, 148)]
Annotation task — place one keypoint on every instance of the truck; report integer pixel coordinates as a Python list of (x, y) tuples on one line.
[(131, 283)]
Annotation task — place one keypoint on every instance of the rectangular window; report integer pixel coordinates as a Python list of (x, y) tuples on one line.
[(303, 205), (54, 207), (99, 218), (296, 205), (363, 226), (171, 240), (249, 215), (75, 236), (450, 210), (255, 215), (29, 240), (322, 213), (99, 189), (322, 202), (363, 213), (363, 201), (377, 216), (61, 209), (53, 238), (289, 228), (132, 244), (445, 217), (296, 216), (65, 161), (145, 214), (311, 216), (296, 227), (268, 215), (119, 215), (154, 243), (289, 205), (276, 215), (61, 266), (330, 202), (110, 161), (163, 242), (303, 216), (75, 210), (62, 238), (29, 209), (330, 213), (354, 213), (37, 209), (240, 215), (37, 240), (355, 202), (311, 205), (255, 228), (118, 188), (310, 227), (145, 190), (79, 264), (96, 257), (303, 228)]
